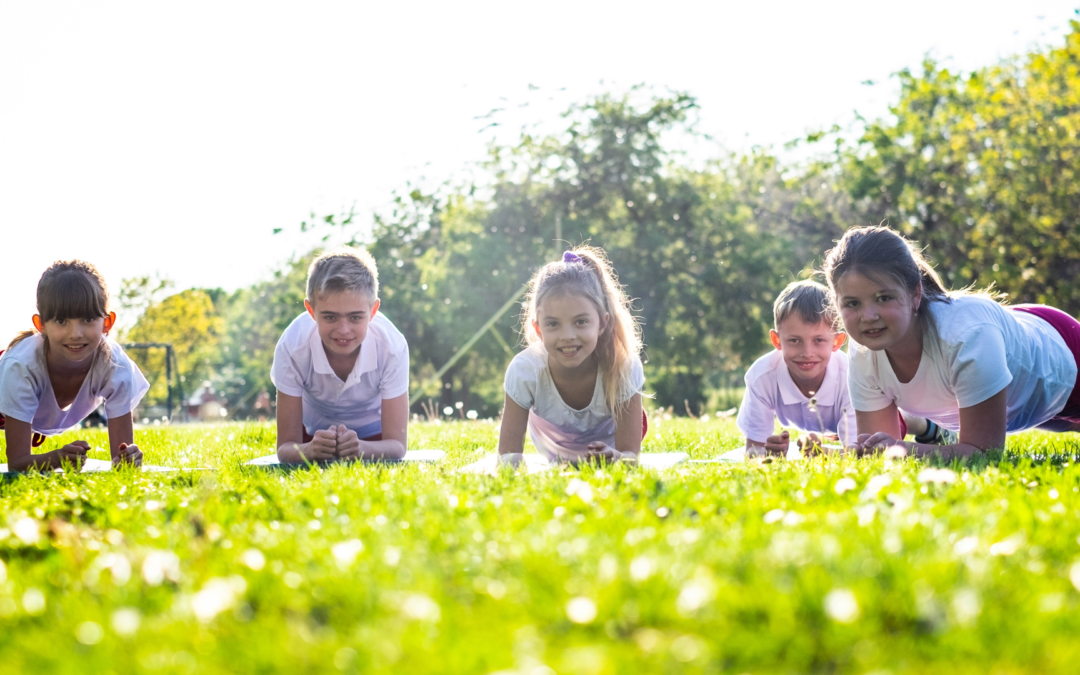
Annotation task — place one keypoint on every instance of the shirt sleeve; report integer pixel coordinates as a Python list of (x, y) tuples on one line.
[(756, 418), (981, 366), (394, 380), (126, 386), (863, 386), (520, 381), (635, 383), (19, 391), (283, 372)]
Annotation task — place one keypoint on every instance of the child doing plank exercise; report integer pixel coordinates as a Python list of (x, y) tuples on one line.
[(53, 377), (341, 369), (959, 358), (577, 386), (803, 381)]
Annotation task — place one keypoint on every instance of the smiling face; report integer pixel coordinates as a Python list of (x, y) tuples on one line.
[(73, 341), (342, 319), (569, 325), (806, 348), (879, 313)]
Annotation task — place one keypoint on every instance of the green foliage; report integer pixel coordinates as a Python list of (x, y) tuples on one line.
[(830, 565), (981, 169), (190, 322)]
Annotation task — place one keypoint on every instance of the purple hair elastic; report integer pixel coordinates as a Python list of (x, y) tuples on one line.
[(571, 257)]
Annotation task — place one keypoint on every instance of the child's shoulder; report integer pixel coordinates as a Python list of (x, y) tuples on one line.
[(765, 366), (388, 334), (30, 351), (528, 362)]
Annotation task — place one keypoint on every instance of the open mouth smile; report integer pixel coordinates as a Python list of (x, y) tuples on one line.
[(569, 351)]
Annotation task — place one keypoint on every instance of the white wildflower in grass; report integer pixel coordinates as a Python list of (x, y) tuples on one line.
[(895, 453), (216, 596), (448, 410), (1074, 575), (154, 505), (420, 607), (392, 556), (1007, 546), (27, 531), (33, 601), (965, 546), (966, 606), (693, 596), (159, 566), (346, 552), (845, 484), (125, 621), (253, 558), (472, 414), (641, 568), (841, 606), (581, 490), (581, 610), (774, 516), (89, 633), (937, 476), (875, 485)]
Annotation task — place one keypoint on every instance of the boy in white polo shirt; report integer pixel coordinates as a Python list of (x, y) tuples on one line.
[(803, 382), (341, 369)]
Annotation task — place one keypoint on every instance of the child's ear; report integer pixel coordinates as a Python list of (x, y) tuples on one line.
[(775, 338), (838, 340), (375, 308), (310, 309), (110, 320), (606, 323), (536, 327), (38, 323)]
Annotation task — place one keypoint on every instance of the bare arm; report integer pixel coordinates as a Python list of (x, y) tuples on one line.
[(395, 431), (628, 428), (122, 446), (290, 434), (20, 454), (515, 420), (982, 426)]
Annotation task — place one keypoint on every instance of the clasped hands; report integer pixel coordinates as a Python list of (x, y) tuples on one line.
[(337, 442), (778, 445)]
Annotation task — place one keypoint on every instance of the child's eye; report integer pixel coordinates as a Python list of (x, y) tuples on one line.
[(884, 298)]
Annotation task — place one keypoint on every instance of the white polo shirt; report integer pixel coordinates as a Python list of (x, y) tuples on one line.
[(26, 392), (381, 372), (771, 393)]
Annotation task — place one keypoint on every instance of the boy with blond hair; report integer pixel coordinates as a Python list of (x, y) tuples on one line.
[(341, 368)]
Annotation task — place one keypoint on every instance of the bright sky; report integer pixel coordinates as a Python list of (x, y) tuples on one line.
[(172, 138)]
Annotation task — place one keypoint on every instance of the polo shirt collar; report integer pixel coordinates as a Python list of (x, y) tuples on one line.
[(790, 393)]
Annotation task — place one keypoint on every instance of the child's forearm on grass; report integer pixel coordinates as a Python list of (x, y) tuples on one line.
[(954, 451), (46, 461), (291, 451), (387, 448)]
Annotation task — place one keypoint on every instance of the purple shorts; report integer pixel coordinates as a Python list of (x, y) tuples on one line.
[(1069, 329)]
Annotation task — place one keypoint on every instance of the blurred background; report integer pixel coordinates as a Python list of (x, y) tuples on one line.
[(201, 154)]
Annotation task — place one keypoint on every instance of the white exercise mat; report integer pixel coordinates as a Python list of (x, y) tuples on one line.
[(100, 465), (534, 463), (272, 461)]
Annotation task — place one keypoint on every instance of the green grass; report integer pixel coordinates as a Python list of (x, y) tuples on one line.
[(416, 569)]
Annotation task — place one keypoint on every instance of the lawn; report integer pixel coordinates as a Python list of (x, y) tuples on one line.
[(830, 565)]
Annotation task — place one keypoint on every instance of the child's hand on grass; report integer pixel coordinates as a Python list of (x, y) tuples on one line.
[(869, 444), (513, 459), (129, 454), (602, 451), (778, 444), (74, 453), (348, 444)]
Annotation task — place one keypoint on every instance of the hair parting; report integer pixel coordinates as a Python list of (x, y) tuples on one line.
[(587, 272)]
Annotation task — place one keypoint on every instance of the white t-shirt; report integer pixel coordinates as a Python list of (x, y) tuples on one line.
[(381, 372), (770, 392), (980, 349), (26, 393), (557, 430)]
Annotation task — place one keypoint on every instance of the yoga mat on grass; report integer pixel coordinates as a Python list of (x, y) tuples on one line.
[(534, 463), (739, 454), (273, 463), (99, 466)]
